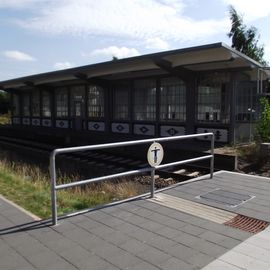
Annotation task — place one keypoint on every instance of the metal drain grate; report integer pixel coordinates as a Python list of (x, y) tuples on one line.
[(247, 224), (225, 197)]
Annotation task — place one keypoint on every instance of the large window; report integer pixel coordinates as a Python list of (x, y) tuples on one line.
[(120, 103), (95, 101), (61, 102), (26, 104), (46, 104), (77, 100), (16, 105), (144, 100), (172, 100), (35, 104), (213, 99), (247, 102)]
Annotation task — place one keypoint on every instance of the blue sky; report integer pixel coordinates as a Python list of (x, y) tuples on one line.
[(45, 35)]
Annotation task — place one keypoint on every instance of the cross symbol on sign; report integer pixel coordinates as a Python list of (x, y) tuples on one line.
[(155, 151)]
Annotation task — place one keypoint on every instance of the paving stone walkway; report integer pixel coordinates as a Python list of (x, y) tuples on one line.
[(134, 235)]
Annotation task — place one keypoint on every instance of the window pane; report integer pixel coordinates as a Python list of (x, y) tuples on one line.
[(35, 104), (46, 104), (213, 99), (16, 105), (95, 101), (172, 100), (145, 100), (61, 102), (77, 100), (26, 105), (120, 105), (247, 102)]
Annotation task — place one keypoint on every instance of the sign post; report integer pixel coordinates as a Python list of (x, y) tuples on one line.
[(155, 156)]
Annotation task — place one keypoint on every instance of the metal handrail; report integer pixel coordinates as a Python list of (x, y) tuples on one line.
[(55, 187)]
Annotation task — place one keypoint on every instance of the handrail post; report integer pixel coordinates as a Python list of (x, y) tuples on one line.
[(152, 183), (53, 189), (212, 158)]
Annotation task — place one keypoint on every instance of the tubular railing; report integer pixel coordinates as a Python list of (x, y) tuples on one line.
[(55, 187)]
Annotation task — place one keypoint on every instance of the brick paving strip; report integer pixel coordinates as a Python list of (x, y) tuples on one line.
[(137, 235)]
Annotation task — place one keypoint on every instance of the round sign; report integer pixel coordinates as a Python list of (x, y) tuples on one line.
[(155, 154)]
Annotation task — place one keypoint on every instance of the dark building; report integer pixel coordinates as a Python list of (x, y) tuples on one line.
[(210, 88)]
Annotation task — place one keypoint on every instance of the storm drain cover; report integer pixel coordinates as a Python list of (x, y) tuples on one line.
[(247, 224), (225, 197)]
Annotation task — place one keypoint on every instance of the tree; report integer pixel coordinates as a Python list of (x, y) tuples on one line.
[(263, 126), (245, 39), (4, 102)]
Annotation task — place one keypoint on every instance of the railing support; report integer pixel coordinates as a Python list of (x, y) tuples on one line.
[(53, 189), (212, 156), (152, 183)]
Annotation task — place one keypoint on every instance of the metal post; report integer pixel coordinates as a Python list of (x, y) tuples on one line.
[(53, 191), (153, 182), (212, 158)]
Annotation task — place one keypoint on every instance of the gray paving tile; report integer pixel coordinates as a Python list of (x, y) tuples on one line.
[(12, 260), (127, 228), (210, 249), (93, 262), (31, 248), (200, 260), (134, 246), (161, 243), (181, 252), (193, 230), (102, 231), (168, 232), (106, 249), (151, 226), (175, 264), (229, 243), (154, 256), (212, 237), (187, 239), (142, 235), (123, 260), (143, 266), (45, 260), (116, 238), (75, 254)]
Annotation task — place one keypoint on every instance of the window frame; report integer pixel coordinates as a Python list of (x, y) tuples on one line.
[(215, 110), (145, 111), (173, 99), (95, 102), (61, 102), (121, 108)]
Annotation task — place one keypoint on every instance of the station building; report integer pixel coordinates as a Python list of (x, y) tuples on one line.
[(209, 88)]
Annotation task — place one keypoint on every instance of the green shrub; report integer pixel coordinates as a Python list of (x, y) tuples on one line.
[(263, 126)]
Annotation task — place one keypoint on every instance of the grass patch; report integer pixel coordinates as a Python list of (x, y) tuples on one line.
[(5, 119), (29, 187)]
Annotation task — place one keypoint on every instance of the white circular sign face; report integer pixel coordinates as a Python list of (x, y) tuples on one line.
[(155, 154)]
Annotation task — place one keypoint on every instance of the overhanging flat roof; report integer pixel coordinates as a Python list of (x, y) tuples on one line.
[(217, 56)]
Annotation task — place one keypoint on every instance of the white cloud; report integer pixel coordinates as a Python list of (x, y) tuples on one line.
[(250, 9), (137, 19), (19, 56), (17, 3), (119, 52), (63, 65), (267, 53), (157, 43)]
